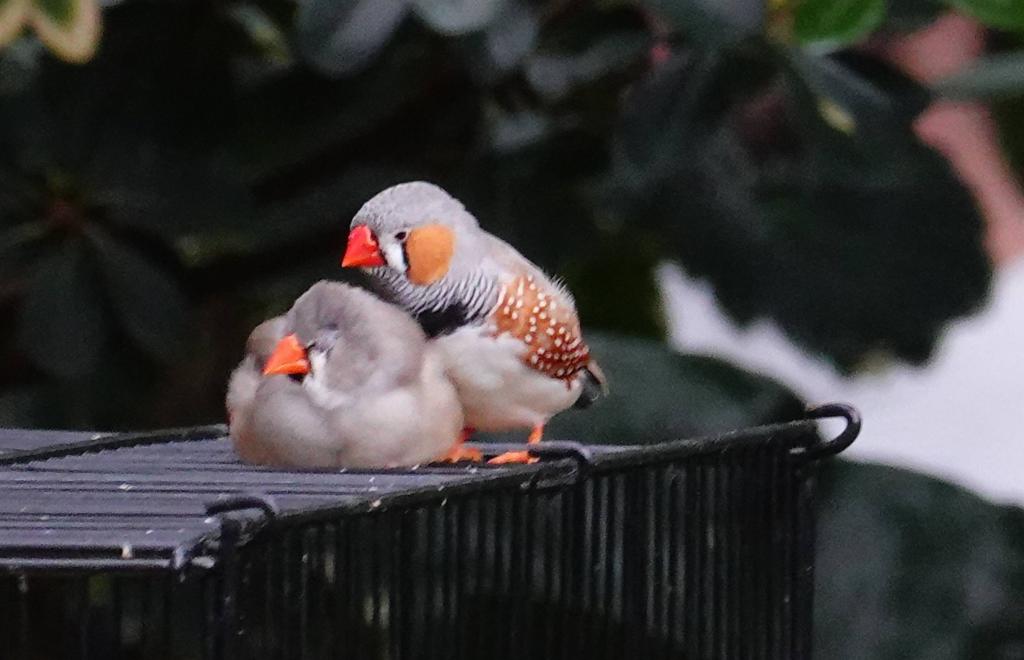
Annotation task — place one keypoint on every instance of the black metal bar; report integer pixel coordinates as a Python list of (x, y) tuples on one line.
[(228, 542), (23, 626), (804, 531), (114, 441), (264, 503), (66, 565)]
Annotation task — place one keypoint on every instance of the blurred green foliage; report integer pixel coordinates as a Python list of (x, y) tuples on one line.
[(199, 172), (913, 568)]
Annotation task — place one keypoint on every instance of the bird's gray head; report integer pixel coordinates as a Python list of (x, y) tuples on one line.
[(354, 340), (415, 230), (263, 339)]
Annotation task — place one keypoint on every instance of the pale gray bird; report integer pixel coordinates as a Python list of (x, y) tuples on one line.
[(244, 383), (510, 335), (349, 382)]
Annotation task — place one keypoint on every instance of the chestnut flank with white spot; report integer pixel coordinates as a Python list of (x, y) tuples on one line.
[(550, 330)]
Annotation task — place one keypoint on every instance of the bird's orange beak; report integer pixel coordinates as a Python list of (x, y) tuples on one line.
[(289, 357), (362, 249)]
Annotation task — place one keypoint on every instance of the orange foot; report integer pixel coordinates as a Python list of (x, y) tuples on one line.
[(520, 456), (513, 457), (460, 452)]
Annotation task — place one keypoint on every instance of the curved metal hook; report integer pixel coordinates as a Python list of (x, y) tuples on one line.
[(841, 441), (563, 449), (264, 503)]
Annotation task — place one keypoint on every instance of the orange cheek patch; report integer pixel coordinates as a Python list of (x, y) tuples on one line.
[(429, 251)]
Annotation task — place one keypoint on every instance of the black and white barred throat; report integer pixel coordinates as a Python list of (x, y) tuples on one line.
[(444, 306)]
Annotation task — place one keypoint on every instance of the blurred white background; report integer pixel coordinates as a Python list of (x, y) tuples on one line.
[(959, 418)]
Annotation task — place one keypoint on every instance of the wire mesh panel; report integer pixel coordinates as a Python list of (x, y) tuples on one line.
[(644, 556), (164, 546), (99, 615)]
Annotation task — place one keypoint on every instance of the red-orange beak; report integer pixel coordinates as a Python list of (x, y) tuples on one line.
[(362, 249), (289, 357)]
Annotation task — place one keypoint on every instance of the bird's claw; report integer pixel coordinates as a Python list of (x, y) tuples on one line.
[(513, 457), (461, 453)]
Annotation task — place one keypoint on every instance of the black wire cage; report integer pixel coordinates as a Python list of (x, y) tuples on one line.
[(163, 545)]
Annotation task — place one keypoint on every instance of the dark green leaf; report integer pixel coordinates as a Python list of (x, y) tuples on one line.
[(996, 76), (264, 33), (321, 208), (510, 38), (816, 225), (534, 197), (615, 287), (14, 239), (910, 15), (342, 38), (713, 23), (508, 132), (830, 24), (326, 117), (454, 17), (149, 304), (62, 323), (19, 63), (657, 394), (21, 407), (1009, 115), (61, 12), (164, 191), (555, 75), (1005, 14), (914, 568), (861, 104), (502, 47)]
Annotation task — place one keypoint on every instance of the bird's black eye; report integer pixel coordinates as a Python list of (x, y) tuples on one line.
[(401, 236)]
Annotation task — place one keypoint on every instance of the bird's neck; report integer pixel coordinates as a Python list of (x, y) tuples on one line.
[(451, 302)]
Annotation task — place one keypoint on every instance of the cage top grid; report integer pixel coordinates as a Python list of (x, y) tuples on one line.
[(149, 501)]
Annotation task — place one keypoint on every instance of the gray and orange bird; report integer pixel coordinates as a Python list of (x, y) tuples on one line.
[(343, 379), (509, 335)]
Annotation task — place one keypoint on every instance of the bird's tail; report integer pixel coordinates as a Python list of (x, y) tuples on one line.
[(595, 385)]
